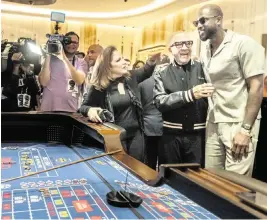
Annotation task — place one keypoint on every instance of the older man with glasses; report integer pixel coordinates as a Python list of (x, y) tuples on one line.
[(234, 64), (180, 94)]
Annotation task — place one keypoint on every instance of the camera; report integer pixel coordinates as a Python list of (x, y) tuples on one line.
[(28, 48), (23, 45), (55, 43)]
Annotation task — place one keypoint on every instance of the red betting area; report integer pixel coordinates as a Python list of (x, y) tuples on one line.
[(6, 162)]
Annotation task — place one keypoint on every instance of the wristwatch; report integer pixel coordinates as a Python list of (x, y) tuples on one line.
[(246, 126), (245, 132)]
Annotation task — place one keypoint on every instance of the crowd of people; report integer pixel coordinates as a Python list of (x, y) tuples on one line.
[(174, 110)]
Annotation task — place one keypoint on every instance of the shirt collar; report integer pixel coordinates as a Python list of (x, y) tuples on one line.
[(173, 63), (227, 38)]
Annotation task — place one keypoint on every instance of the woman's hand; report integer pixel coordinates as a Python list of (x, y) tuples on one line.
[(93, 114)]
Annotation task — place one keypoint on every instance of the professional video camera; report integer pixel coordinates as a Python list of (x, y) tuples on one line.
[(24, 45), (56, 41), (30, 51)]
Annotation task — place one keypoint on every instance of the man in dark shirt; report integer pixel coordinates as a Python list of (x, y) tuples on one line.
[(152, 122), (179, 94), (152, 117)]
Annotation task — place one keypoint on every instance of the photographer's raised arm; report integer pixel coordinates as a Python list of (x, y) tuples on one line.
[(77, 75), (16, 58), (16, 69), (44, 75)]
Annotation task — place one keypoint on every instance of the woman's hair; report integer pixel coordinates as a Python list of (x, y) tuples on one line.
[(136, 63), (102, 75)]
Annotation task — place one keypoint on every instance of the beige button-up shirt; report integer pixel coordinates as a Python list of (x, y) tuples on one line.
[(237, 58)]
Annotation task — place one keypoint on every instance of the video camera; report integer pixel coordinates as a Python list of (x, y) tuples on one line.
[(28, 48), (56, 41), (23, 46)]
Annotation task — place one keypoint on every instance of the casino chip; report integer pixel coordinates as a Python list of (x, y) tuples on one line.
[(59, 182), (41, 182), (49, 182), (25, 186), (75, 181), (83, 181), (33, 185), (67, 182)]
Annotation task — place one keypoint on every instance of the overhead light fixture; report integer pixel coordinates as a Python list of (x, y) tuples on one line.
[(156, 4), (33, 2)]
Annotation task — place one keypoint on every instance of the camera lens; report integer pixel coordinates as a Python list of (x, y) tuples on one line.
[(52, 48), (66, 40)]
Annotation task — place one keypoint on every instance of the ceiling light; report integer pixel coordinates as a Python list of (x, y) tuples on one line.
[(156, 4)]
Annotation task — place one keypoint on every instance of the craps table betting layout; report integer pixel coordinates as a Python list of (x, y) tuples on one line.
[(79, 191)]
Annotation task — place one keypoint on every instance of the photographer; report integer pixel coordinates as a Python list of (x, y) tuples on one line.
[(20, 87), (61, 76)]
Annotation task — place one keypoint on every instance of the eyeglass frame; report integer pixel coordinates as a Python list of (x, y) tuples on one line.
[(74, 42), (196, 22), (183, 43)]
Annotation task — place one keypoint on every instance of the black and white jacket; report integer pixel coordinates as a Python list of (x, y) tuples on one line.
[(173, 96)]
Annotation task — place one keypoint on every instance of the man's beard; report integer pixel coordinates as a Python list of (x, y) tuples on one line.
[(208, 34), (91, 63), (68, 54)]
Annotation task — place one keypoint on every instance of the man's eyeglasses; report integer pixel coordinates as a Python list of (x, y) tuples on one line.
[(74, 42), (180, 44), (202, 20)]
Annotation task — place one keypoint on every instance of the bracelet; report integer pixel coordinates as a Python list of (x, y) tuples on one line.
[(245, 132)]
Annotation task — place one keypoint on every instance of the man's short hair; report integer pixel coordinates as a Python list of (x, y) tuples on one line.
[(96, 46), (72, 33)]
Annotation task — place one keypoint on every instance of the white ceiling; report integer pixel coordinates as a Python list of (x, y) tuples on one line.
[(109, 6), (98, 5)]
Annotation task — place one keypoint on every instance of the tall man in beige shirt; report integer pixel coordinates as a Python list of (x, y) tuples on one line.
[(235, 65)]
